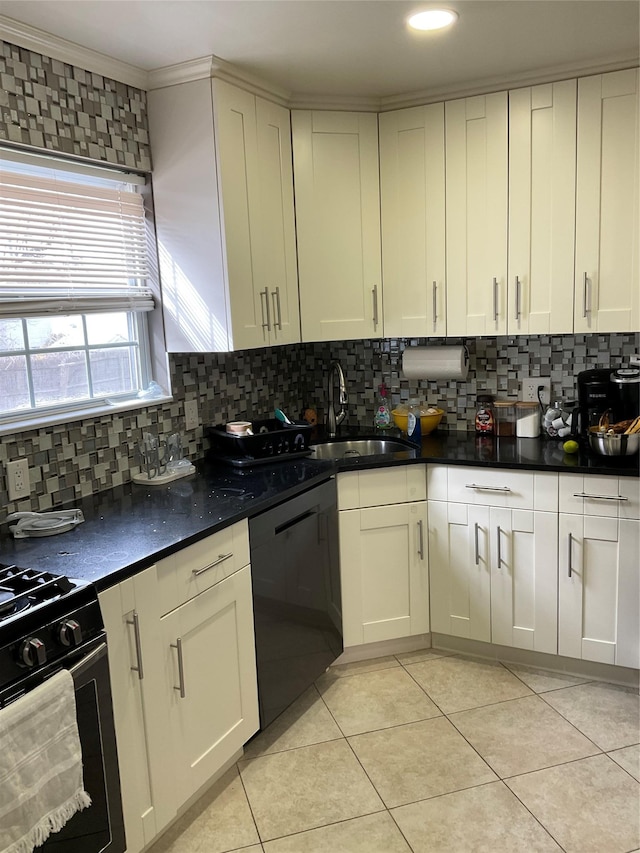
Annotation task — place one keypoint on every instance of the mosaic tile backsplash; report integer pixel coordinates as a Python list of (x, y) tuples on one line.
[(48, 104), (69, 462)]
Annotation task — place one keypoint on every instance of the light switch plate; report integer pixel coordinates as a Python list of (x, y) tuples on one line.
[(191, 416)]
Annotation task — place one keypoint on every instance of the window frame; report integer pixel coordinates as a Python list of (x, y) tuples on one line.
[(152, 362)]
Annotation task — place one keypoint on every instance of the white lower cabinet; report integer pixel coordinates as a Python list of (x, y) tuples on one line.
[(493, 574), (127, 611), (210, 682), (507, 567), (383, 554), (599, 589), (493, 556), (183, 682)]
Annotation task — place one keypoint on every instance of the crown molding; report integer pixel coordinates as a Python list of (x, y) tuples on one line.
[(31, 38), (514, 81), (354, 103), (212, 66)]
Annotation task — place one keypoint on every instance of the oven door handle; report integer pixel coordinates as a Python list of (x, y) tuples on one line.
[(89, 659)]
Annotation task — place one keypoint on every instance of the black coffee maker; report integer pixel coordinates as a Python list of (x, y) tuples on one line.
[(607, 389)]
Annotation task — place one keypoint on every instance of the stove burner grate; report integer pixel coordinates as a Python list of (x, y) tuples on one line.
[(24, 588)]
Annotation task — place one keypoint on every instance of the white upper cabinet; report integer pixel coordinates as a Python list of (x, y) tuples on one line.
[(542, 168), (337, 197), (412, 193), (476, 180), (607, 283), (223, 195)]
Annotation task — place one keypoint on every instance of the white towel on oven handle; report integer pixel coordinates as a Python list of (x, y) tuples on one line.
[(41, 784)]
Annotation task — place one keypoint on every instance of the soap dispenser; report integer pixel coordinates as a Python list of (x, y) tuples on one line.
[(382, 418)]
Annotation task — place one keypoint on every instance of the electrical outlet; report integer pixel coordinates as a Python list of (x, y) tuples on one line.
[(18, 479), (191, 416), (529, 388)]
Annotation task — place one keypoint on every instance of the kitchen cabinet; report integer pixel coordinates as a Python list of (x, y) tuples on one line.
[(210, 682), (599, 580), (493, 556), (607, 282), (335, 156), (223, 197), (383, 554), (542, 168), (476, 215), (182, 665), (128, 614), (412, 194)]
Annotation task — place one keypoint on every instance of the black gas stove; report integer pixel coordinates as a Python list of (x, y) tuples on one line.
[(43, 617)]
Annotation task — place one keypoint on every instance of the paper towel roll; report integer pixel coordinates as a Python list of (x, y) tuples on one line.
[(436, 363)]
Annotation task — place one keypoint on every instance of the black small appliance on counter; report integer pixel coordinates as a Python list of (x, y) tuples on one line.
[(604, 389)]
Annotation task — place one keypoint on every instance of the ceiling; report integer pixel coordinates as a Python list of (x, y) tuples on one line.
[(352, 48)]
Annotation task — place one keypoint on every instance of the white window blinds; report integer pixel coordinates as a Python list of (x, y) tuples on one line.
[(71, 244)]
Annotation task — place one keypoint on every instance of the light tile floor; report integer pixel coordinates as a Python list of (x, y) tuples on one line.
[(430, 752)]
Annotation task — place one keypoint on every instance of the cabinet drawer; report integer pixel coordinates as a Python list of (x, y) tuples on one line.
[(608, 497), (503, 488), (382, 486), (201, 565)]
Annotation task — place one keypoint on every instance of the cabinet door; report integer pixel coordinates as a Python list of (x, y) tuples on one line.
[(210, 683), (126, 619), (599, 589), (277, 272), (383, 559), (476, 181), (607, 283), (187, 217), (238, 168), (542, 168), (524, 579), (413, 221), (460, 577), (335, 157)]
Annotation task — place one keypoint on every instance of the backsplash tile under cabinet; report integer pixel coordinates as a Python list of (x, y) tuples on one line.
[(89, 456)]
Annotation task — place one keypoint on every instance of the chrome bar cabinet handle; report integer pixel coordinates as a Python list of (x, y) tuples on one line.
[(266, 320), (569, 555), (495, 300), (420, 540), (374, 293), (585, 292), (499, 532), (435, 305), (518, 312), (600, 497), (178, 646), (136, 634), (476, 529), (487, 488), (277, 309), (221, 559)]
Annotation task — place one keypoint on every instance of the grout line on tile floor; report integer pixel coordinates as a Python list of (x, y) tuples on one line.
[(246, 794)]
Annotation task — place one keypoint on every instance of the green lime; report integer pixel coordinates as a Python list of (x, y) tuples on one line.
[(571, 446)]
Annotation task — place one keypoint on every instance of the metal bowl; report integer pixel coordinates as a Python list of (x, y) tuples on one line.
[(613, 445)]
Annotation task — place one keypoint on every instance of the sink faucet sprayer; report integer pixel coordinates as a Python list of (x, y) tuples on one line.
[(334, 420)]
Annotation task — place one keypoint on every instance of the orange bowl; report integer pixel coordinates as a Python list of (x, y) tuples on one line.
[(427, 422)]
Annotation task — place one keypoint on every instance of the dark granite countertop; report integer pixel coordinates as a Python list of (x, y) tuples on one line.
[(130, 527)]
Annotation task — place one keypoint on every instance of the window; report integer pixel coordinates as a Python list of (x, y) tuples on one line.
[(75, 286)]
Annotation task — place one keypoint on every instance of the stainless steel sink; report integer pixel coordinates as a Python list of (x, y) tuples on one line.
[(352, 448)]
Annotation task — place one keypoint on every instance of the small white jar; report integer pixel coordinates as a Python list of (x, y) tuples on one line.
[(527, 420)]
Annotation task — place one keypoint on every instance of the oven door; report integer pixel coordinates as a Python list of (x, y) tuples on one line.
[(99, 827)]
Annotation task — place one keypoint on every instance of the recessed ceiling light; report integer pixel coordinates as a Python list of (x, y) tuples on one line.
[(432, 19)]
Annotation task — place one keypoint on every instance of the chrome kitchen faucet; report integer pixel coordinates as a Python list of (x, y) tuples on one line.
[(334, 420)]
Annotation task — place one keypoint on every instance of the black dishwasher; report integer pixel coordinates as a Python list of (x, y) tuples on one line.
[(295, 572)]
